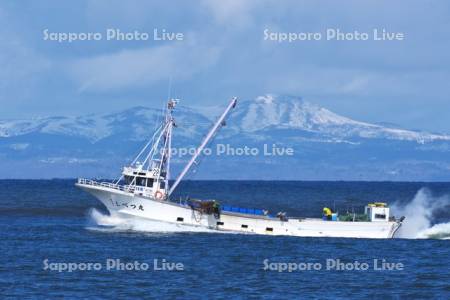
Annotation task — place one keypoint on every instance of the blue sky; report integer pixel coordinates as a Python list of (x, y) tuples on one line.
[(224, 54)]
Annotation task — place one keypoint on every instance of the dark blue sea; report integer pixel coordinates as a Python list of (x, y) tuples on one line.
[(47, 224)]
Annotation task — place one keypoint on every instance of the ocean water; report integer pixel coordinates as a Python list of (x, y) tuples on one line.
[(50, 223)]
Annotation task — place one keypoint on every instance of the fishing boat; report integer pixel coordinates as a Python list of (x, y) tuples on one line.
[(144, 190)]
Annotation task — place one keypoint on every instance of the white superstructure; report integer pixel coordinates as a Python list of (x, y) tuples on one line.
[(143, 191)]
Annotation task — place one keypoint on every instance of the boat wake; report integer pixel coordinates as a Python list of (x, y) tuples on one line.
[(103, 222), (420, 217)]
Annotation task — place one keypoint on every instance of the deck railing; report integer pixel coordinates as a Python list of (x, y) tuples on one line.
[(125, 188)]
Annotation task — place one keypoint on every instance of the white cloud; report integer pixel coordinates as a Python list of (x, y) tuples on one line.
[(19, 62), (355, 85), (132, 68), (231, 12)]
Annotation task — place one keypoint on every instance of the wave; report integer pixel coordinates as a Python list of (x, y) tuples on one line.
[(438, 231), (419, 213)]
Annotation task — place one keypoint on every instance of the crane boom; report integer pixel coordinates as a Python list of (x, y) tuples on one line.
[(208, 137)]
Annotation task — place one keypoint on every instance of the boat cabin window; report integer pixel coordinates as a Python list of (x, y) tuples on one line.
[(128, 179), (380, 216), (140, 181), (149, 182)]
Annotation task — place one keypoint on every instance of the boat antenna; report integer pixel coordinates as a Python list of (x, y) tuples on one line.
[(169, 89), (200, 148)]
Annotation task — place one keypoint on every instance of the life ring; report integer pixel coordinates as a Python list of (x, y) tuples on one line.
[(159, 195)]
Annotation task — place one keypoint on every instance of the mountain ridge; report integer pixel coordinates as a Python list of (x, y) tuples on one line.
[(327, 146), (302, 115)]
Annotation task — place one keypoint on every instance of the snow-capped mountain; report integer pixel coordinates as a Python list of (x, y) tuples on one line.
[(327, 145), (137, 122), (270, 111)]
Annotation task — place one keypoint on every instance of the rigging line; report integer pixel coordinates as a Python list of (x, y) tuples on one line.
[(154, 151), (148, 143), (155, 146), (164, 149), (163, 114), (151, 151), (158, 126), (160, 113), (140, 153), (168, 117), (169, 154)]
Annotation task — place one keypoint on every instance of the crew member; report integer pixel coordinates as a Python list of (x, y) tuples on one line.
[(216, 209), (327, 213)]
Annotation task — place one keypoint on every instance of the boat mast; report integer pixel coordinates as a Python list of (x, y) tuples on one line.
[(169, 153), (208, 137), (161, 143), (166, 150)]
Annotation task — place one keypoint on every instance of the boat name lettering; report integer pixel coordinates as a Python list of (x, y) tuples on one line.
[(132, 206)]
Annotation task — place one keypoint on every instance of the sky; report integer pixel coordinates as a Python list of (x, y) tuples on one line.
[(224, 53)]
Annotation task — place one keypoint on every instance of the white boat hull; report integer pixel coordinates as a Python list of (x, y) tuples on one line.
[(127, 204)]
